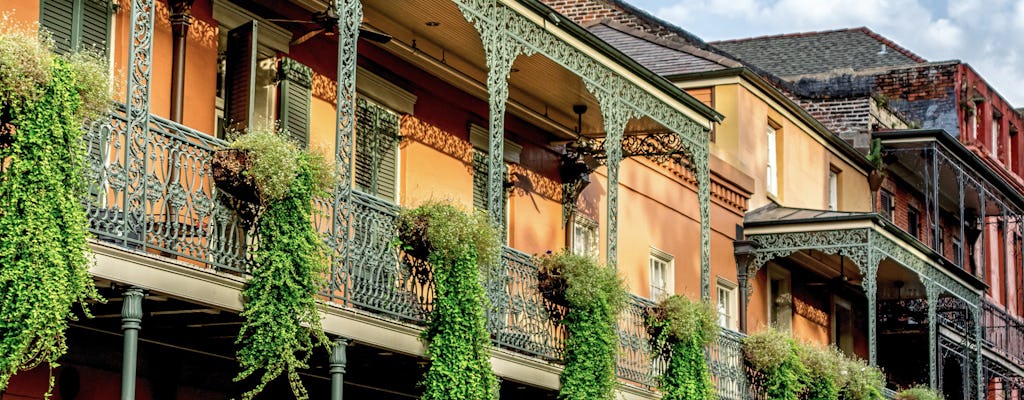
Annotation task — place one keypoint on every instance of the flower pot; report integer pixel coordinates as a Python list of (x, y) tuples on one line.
[(228, 168), (875, 179), (552, 285), (413, 233)]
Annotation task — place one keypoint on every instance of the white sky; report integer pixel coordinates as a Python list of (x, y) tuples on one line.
[(987, 34)]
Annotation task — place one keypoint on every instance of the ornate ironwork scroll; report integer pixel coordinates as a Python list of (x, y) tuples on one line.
[(140, 61), (932, 292), (533, 38), (350, 14)]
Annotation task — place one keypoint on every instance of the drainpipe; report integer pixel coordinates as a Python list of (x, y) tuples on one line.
[(337, 362), (181, 18), (131, 322)]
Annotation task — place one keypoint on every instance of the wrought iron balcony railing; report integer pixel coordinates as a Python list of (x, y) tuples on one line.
[(1003, 332), (151, 191)]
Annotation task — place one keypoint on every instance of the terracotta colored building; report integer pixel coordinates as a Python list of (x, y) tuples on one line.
[(415, 100)]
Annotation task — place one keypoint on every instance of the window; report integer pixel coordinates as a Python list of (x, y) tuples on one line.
[(77, 25), (780, 298), (833, 188), (584, 236), (772, 178), (377, 136), (913, 222), (958, 252), (480, 138), (661, 274), (842, 325), (1014, 150), (997, 122), (726, 303), (886, 198), (939, 239)]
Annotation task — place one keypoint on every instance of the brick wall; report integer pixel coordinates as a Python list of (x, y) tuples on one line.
[(907, 197), (925, 94)]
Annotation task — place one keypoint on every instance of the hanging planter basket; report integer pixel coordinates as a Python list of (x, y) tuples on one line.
[(552, 286), (228, 168), (413, 232), (654, 317)]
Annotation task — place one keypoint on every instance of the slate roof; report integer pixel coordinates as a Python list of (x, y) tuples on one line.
[(661, 56), (797, 54)]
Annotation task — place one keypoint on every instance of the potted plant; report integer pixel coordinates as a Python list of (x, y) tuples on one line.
[(680, 329), (877, 174), (460, 248), (44, 249), (289, 265), (595, 295), (920, 392)]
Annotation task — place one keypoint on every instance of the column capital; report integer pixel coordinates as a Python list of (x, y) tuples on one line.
[(339, 359)]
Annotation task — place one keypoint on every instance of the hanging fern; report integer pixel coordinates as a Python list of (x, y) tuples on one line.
[(457, 339), (595, 295), (44, 253), (680, 330), (289, 266)]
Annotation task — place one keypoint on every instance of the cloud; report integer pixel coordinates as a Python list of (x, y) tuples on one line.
[(983, 33)]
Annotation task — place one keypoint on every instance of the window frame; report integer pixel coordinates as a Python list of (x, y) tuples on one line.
[(888, 202), (914, 224), (778, 273), (833, 188), (667, 267), (582, 223), (772, 158), (732, 304)]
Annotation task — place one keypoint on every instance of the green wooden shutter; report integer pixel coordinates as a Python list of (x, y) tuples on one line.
[(77, 24), (480, 180), (95, 29), (295, 95), (240, 72), (377, 131), (57, 17)]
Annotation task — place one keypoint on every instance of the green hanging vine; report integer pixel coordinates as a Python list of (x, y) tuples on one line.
[(595, 295), (773, 354), (457, 339), (680, 330), (44, 251), (289, 263)]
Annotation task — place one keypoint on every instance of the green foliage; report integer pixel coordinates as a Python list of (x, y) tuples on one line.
[(874, 155), (289, 266), (921, 392), (822, 364), (457, 339), (26, 69), (275, 164), (43, 227), (596, 296), (775, 356), (681, 329), (862, 382)]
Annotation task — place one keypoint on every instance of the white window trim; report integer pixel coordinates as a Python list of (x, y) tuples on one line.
[(669, 276), (579, 220), (833, 189), (384, 92), (733, 304), (772, 165)]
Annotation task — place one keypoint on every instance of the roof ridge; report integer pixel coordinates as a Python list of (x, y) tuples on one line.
[(863, 29), (787, 35), (669, 44)]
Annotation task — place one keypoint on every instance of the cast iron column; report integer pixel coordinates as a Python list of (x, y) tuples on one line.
[(744, 251), (181, 18), (131, 322), (337, 362)]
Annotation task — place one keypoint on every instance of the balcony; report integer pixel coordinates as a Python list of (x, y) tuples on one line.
[(150, 191)]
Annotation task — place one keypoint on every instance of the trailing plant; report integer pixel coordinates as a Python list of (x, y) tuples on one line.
[(775, 356), (457, 339), (289, 266), (862, 381), (874, 155), (595, 295), (44, 253), (273, 166), (920, 392), (823, 381), (680, 330)]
